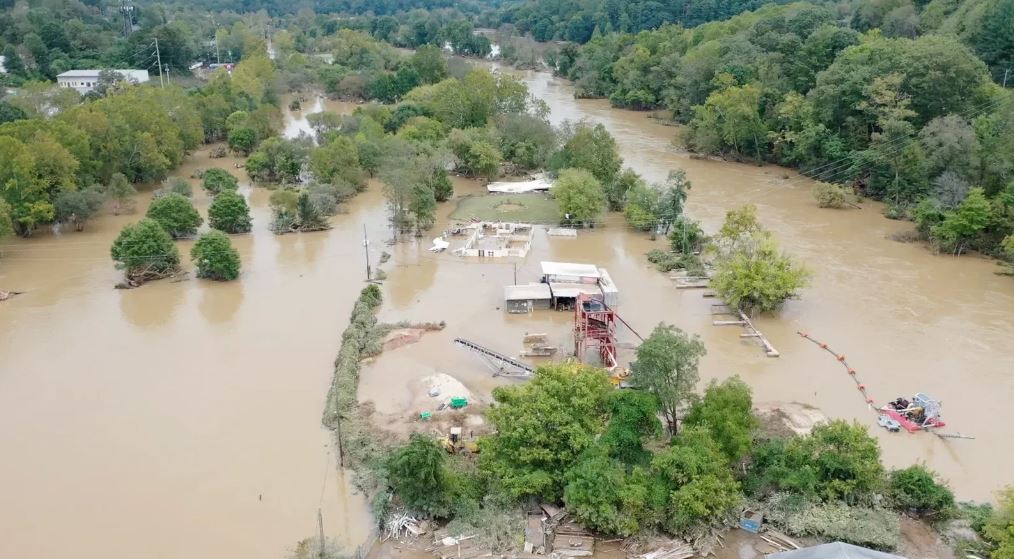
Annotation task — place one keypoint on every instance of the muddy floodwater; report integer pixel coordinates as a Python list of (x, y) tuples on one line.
[(182, 419)]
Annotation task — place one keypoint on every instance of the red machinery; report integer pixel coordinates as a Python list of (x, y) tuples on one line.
[(595, 327)]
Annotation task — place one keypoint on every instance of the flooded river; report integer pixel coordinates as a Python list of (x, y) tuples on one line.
[(181, 419)]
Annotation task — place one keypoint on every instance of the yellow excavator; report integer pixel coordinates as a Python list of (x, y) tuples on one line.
[(455, 444), (618, 377)]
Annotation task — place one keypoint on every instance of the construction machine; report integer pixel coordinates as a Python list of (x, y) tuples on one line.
[(453, 443)]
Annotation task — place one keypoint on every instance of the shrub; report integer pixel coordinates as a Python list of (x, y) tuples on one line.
[(145, 251), (229, 212), (78, 206), (176, 214), (215, 257), (121, 192), (242, 140), (218, 180), (175, 185), (417, 472), (916, 489), (875, 528), (830, 195)]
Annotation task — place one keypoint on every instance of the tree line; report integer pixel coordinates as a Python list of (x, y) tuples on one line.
[(913, 121)]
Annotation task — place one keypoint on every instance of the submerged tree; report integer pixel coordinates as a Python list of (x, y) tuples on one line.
[(121, 192), (176, 214), (230, 213), (579, 195), (215, 257), (145, 251), (216, 181), (751, 273), (76, 207)]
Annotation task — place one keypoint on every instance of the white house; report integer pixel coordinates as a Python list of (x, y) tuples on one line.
[(86, 80)]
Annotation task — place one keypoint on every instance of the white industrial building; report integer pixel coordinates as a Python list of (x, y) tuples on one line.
[(561, 285), (84, 81)]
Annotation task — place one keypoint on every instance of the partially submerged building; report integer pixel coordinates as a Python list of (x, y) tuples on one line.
[(560, 286), (526, 298), (497, 240)]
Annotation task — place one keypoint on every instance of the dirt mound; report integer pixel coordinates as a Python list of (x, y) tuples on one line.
[(785, 418), (402, 337)]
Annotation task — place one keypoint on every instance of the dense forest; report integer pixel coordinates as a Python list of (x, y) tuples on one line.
[(898, 113), (580, 20)]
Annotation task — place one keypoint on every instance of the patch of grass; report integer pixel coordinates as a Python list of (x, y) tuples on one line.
[(531, 208)]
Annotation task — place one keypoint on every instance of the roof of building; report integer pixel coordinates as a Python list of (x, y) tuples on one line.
[(139, 75), (606, 281), (835, 550), (570, 270), (532, 291), (572, 290)]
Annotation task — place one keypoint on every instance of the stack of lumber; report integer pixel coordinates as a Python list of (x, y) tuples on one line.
[(461, 547), (778, 540), (677, 550)]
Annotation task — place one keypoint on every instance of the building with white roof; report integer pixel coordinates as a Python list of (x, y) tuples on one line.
[(86, 80)]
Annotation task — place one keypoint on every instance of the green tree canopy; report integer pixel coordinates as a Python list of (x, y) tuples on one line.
[(726, 410), (214, 257), (176, 214), (418, 474), (230, 213), (666, 365), (216, 181), (591, 148), (145, 251), (579, 195), (541, 428), (836, 461), (751, 273), (78, 207)]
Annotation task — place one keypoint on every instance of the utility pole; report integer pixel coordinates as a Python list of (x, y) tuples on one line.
[(320, 526), (515, 273), (1005, 72), (218, 56), (169, 83), (158, 57), (366, 248)]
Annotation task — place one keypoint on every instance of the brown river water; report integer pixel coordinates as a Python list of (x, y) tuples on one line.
[(182, 419)]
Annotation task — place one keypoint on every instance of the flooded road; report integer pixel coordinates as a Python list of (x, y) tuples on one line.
[(181, 419)]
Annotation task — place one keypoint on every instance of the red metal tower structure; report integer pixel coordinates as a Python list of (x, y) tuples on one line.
[(595, 327)]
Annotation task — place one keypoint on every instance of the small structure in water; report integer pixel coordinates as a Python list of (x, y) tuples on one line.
[(922, 412), (519, 299), (561, 285), (488, 239)]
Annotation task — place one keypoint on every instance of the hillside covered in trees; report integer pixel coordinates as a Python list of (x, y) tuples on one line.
[(907, 114)]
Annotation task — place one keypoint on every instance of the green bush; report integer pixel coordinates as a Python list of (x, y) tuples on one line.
[(916, 489), (215, 257), (836, 461), (417, 472), (217, 181), (830, 195), (229, 212), (869, 527), (176, 214), (145, 251)]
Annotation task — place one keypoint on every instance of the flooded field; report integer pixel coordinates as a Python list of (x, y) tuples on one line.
[(181, 419)]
